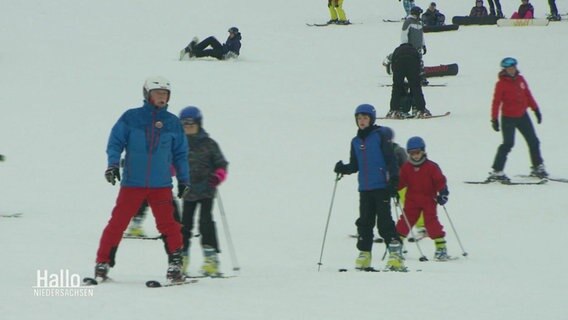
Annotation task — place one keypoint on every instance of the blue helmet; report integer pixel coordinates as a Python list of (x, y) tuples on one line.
[(415, 143), (191, 114), (508, 62), (368, 110)]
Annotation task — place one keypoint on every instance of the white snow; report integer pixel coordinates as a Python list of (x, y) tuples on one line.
[(283, 115)]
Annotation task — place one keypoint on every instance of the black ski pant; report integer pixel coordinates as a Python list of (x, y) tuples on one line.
[(216, 50), (206, 224), (406, 68), (553, 9), (493, 5), (374, 208), (525, 127)]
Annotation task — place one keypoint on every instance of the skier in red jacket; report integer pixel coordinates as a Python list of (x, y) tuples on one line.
[(512, 97), (426, 187)]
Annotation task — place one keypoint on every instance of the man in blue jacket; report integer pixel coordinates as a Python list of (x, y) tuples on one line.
[(372, 155), (154, 143)]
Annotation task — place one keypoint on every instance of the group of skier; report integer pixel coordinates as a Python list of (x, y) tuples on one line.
[(154, 141), (373, 157)]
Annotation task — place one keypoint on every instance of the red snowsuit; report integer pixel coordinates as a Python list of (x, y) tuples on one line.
[(423, 183), (512, 94)]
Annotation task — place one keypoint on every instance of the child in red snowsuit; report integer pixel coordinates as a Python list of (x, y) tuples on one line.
[(426, 187)]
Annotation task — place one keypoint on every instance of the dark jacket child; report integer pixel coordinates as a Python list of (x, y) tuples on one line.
[(208, 168), (433, 17), (479, 10)]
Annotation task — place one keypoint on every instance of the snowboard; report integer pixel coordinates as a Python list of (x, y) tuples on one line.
[(441, 70), (522, 22), (447, 27), (467, 21)]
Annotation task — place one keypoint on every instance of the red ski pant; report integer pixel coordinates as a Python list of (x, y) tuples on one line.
[(412, 212), (128, 202)]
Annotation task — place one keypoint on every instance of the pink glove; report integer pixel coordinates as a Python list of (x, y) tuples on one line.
[(218, 176)]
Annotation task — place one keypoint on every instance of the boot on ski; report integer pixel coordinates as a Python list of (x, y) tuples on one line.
[(363, 260), (210, 266), (395, 261), (174, 272)]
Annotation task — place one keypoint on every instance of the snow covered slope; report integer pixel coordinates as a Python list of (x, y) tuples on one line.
[(283, 115)]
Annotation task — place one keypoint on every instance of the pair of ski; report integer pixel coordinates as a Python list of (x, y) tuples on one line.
[(412, 118), (514, 183), (433, 85), (381, 240), (371, 269), (186, 280), (88, 281), (329, 24), (11, 215)]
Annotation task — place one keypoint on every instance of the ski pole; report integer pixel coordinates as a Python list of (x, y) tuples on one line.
[(455, 232), (337, 178), (403, 214), (234, 261)]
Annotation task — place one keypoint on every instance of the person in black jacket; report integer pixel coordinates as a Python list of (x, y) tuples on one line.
[(479, 10), (433, 17), (208, 169), (406, 65), (230, 49)]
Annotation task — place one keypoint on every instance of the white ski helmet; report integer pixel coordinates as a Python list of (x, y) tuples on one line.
[(156, 82)]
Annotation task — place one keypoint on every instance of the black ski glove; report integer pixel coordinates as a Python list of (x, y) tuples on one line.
[(442, 197), (112, 174), (340, 168), (538, 116), (495, 124), (424, 50), (183, 190), (393, 188)]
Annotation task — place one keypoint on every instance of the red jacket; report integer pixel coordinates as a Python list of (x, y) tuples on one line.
[(423, 182), (512, 94)]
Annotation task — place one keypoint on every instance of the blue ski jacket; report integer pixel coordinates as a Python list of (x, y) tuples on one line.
[(153, 141), (372, 155)]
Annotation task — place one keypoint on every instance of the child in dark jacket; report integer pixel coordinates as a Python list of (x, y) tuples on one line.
[(230, 49), (479, 10), (208, 168), (433, 17), (426, 187)]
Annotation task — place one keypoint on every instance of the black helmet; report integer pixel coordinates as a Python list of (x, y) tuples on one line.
[(234, 30), (416, 10)]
